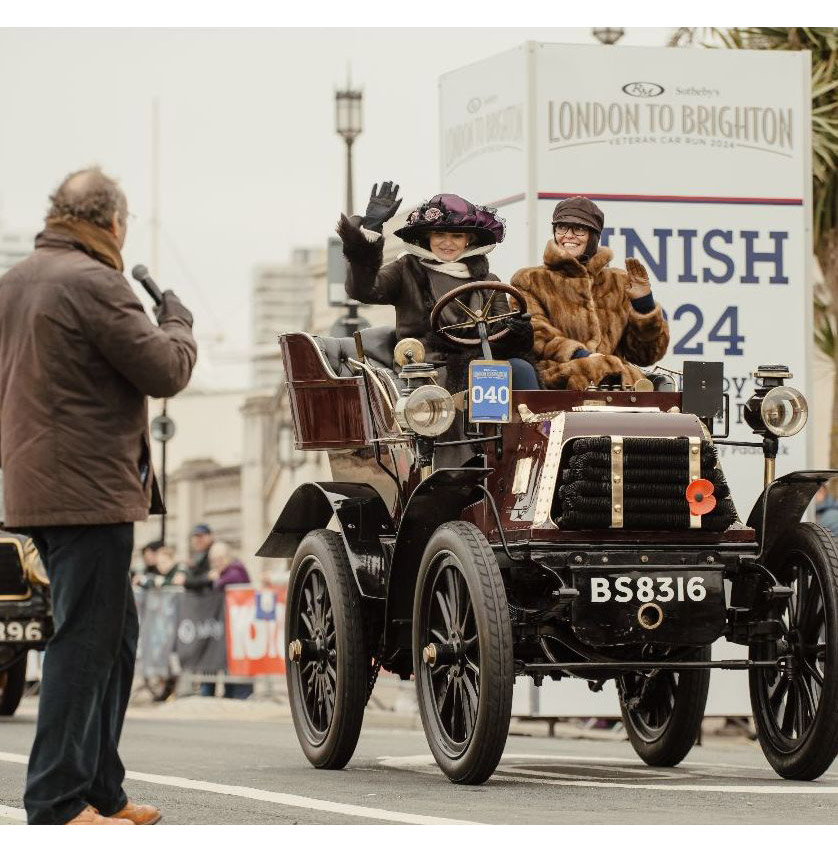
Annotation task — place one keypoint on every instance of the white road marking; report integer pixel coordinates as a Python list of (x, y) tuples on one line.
[(292, 800), (13, 814), (514, 770), (605, 760), (782, 786), (785, 788)]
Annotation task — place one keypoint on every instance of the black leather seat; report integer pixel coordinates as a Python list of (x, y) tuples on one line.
[(378, 342)]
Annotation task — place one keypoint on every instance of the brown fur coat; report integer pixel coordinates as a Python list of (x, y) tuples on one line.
[(577, 306)]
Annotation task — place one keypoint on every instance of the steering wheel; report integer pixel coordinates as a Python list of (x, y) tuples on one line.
[(481, 320)]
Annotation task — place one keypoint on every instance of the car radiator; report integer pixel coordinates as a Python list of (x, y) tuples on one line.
[(646, 489)]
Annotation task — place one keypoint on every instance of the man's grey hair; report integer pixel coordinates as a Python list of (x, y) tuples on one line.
[(89, 195)]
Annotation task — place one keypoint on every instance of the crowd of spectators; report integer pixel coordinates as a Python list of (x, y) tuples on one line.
[(212, 566)]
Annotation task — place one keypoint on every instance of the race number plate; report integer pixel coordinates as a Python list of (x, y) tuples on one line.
[(490, 391), (21, 631), (686, 606)]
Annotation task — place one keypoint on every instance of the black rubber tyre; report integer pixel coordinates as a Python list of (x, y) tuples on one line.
[(665, 723), (466, 701), (796, 712), (12, 682), (327, 691)]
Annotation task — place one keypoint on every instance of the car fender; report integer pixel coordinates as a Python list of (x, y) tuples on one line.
[(782, 504), (439, 498), (363, 520)]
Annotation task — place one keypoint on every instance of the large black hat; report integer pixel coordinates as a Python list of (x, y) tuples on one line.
[(579, 210), (453, 214)]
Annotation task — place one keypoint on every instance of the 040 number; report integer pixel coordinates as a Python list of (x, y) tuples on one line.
[(725, 330), (14, 632), (492, 395), (643, 589)]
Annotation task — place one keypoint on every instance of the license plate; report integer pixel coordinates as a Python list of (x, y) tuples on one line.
[(21, 631), (490, 391), (654, 606), (645, 588)]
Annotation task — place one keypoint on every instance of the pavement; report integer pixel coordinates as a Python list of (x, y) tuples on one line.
[(215, 761)]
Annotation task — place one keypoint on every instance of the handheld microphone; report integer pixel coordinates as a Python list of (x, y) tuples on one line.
[(140, 274)]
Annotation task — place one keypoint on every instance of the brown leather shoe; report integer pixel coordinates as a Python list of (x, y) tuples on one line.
[(89, 816), (139, 815)]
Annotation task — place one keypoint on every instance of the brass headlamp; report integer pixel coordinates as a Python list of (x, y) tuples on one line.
[(774, 411)]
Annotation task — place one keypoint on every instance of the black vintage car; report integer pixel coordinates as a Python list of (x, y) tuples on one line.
[(585, 534), (25, 614)]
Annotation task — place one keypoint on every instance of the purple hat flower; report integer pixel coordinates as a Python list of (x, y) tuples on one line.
[(453, 214)]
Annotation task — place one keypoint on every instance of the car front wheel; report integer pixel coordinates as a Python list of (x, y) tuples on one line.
[(462, 653)]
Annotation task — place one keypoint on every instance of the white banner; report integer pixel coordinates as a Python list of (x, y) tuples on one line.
[(701, 162)]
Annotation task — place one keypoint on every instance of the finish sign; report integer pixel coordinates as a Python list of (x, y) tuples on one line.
[(490, 391), (162, 428)]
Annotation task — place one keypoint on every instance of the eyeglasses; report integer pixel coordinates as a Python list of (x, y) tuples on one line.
[(576, 229)]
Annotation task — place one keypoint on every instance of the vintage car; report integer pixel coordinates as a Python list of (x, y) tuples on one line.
[(25, 614), (588, 534)]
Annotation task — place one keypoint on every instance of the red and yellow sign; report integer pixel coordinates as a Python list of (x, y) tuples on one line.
[(255, 622)]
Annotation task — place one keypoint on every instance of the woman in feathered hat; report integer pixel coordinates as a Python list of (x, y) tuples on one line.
[(446, 240), (591, 321)]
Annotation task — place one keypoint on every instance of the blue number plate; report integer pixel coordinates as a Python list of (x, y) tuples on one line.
[(490, 391)]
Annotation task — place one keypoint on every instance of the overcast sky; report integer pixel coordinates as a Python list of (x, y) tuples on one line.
[(251, 165)]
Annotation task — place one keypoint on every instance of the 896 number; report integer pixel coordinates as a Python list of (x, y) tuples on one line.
[(16, 632)]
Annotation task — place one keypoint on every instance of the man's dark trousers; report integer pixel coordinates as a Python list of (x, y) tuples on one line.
[(87, 672)]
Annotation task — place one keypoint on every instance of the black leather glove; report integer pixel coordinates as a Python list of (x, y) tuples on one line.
[(382, 206), (520, 335), (171, 307)]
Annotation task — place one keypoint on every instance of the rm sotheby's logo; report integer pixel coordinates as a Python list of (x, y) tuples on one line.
[(643, 89)]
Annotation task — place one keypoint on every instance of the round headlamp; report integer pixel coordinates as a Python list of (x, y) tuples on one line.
[(784, 411), (428, 410)]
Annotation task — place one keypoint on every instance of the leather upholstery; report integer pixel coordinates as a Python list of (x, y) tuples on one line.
[(378, 342)]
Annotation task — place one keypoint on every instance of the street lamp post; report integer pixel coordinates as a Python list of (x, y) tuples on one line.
[(608, 35), (162, 430), (348, 127), (348, 124)]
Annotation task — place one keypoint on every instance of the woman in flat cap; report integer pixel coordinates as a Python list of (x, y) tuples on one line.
[(591, 322)]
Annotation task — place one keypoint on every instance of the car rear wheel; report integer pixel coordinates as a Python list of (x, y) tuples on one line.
[(12, 682), (662, 711), (796, 708), (462, 653), (327, 658)]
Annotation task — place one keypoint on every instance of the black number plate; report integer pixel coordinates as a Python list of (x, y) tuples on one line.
[(649, 606)]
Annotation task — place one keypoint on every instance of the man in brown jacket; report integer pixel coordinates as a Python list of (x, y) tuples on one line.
[(78, 356)]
